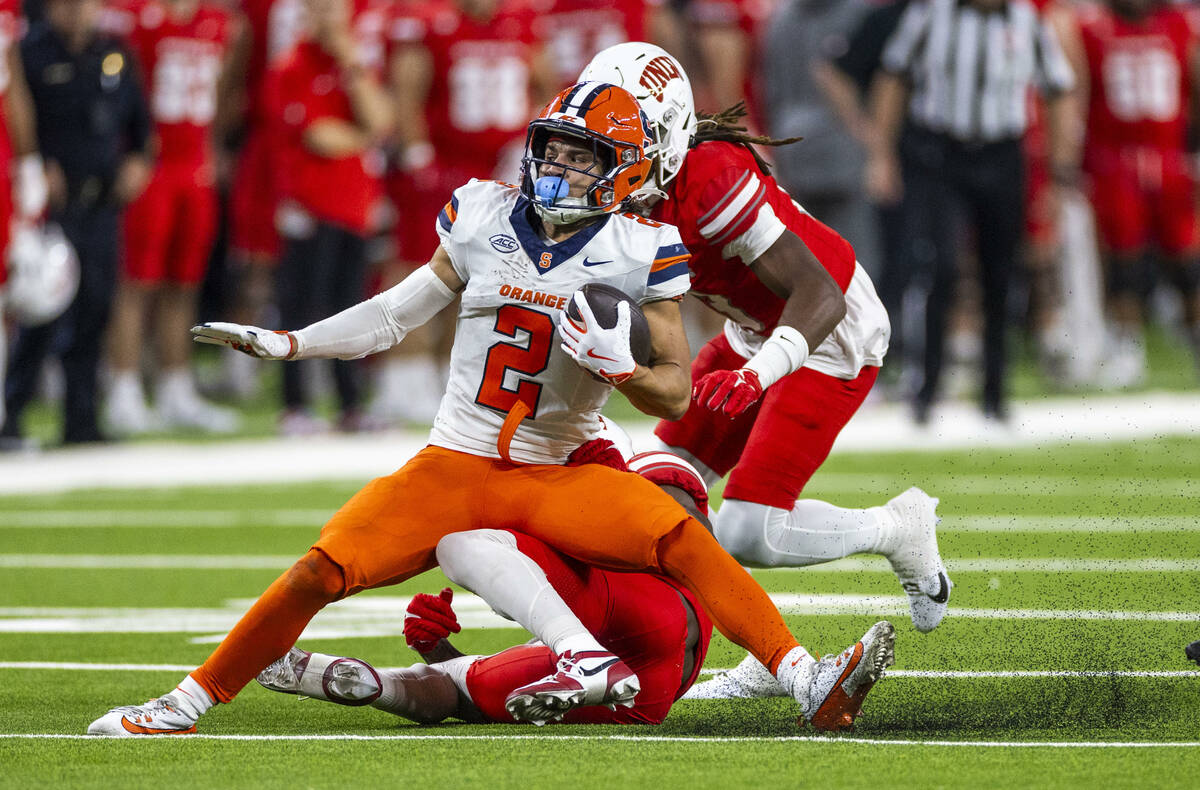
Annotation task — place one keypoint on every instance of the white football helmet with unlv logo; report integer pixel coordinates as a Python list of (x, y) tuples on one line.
[(662, 88)]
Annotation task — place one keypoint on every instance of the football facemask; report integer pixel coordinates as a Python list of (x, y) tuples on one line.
[(664, 92), (603, 119)]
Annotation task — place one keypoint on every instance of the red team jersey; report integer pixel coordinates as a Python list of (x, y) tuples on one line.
[(1141, 180), (1140, 81), (305, 87), (575, 30), (716, 199), (480, 99), (181, 63), (729, 213)]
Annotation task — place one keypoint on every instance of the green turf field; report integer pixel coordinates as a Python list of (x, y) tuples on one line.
[(1081, 559)]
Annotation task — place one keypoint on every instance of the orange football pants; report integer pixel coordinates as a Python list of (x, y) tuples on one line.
[(389, 531)]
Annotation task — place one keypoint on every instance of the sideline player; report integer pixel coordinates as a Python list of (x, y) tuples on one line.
[(652, 623), (1143, 85), (804, 337), (182, 47), (517, 255)]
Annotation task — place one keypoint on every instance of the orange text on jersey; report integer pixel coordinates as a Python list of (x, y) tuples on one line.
[(533, 297)]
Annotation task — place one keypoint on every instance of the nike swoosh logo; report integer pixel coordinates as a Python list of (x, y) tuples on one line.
[(594, 355), (599, 669), (586, 262), (943, 593)]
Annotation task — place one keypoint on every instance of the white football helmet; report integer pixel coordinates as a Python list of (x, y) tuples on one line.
[(43, 273), (662, 88)]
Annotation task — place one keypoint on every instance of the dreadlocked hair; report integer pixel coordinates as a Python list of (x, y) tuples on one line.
[(723, 127)]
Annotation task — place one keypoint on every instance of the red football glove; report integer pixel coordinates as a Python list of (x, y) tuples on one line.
[(429, 620), (598, 451), (728, 391)]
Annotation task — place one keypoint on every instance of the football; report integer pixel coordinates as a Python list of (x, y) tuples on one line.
[(603, 300)]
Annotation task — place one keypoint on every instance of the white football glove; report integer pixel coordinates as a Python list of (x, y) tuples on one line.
[(261, 343), (604, 352)]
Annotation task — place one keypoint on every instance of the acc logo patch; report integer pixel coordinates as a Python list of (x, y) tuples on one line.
[(503, 243)]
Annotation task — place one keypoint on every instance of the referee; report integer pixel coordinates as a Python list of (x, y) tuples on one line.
[(960, 72)]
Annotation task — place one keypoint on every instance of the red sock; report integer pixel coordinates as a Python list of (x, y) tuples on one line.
[(271, 627), (737, 605)]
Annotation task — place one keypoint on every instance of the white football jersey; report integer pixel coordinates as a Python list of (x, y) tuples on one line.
[(506, 344)]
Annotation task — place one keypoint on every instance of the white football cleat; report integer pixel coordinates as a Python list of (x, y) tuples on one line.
[(748, 680), (126, 412), (916, 560), (162, 716), (591, 677), (345, 681), (833, 698)]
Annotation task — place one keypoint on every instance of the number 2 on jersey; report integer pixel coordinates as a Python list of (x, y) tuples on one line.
[(528, 359)]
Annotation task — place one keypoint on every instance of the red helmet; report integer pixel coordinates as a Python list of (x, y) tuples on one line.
[(606, 119)]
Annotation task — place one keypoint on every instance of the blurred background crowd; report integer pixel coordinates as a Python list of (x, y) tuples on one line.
[(270, 162)]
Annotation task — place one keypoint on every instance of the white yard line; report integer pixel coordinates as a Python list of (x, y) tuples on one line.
[(876, 428), (382, 616), (850, 565), (924, 674), (700, 739)]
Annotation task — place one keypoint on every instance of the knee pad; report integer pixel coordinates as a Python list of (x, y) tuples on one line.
[(459, 552)]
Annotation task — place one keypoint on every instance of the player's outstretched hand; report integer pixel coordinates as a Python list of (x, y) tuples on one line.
[(429, 620), (728, 391), (261, 343), (602, 351)]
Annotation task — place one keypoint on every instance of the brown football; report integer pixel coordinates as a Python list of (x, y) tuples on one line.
[(603, 300)]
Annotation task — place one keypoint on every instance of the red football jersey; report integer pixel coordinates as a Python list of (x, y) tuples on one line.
[(304, 87), (480, 99), (716, 202), (1139, 77), (181, 62), (575, 30)]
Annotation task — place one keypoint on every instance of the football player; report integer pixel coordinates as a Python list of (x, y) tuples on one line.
[(804, 337), (181, 47), (652, 623), (1143, 77), (526, 387)]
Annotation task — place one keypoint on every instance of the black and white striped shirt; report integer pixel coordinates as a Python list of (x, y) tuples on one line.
[(971, 70)]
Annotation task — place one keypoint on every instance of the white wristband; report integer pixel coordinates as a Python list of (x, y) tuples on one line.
[(784, 352)]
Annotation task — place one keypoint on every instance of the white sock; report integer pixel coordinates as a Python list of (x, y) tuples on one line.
[(795, 670), (811, 532), (193, 699), (488, 563), (577, 643)]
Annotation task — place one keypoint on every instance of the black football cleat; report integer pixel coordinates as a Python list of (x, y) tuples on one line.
[(1192, 651)]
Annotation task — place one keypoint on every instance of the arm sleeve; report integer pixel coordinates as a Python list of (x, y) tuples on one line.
[(378, 323)]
